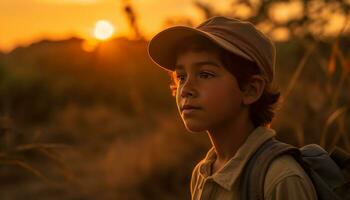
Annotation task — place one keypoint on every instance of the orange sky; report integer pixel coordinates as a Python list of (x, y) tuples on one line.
[(25, 21)]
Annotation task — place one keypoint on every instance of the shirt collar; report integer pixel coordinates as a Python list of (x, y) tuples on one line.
[(229, 173)]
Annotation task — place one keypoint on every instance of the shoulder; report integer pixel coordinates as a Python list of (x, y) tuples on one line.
[(286, 177), (283, 167)]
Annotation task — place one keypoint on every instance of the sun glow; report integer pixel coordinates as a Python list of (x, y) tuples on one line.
[(103, 30)]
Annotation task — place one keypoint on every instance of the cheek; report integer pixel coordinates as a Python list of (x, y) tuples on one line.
[(224, 99)]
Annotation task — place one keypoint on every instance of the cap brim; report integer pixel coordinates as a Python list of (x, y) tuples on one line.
[(161, 48)]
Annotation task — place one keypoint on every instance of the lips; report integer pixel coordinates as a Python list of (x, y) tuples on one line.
[(189, 107)]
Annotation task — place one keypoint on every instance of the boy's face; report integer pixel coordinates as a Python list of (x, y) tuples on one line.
[(204, 84)]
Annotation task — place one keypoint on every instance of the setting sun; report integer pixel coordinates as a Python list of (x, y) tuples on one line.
[(103, 30)]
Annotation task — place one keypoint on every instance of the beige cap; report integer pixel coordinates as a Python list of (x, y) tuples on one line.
[(238, 37)]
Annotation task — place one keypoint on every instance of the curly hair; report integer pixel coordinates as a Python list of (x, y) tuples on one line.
[(261, 111)]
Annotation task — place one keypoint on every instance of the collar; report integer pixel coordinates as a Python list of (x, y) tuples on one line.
[(228, 175)]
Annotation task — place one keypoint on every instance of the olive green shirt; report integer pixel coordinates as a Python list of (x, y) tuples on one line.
[(285, 179)]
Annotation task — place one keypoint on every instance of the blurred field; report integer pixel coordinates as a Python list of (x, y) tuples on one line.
[(102, 124)]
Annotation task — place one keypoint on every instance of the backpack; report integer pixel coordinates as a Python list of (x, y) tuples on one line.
[(328, 172)]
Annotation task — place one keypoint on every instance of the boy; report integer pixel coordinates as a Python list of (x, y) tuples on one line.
[(222, 79)]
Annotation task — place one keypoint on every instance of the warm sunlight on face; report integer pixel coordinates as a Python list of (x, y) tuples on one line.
[(103, 30)]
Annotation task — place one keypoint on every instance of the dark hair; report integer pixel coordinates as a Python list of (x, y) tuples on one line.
[(263, 110)]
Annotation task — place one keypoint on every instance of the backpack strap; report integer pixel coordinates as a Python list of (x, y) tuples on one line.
[(253, 177)]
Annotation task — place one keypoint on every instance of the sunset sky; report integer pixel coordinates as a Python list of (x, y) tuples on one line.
[(25, 21)]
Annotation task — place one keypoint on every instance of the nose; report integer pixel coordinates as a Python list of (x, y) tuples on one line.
[(188, 89)]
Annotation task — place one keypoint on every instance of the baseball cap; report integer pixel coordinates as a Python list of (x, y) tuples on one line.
[(239, 37)]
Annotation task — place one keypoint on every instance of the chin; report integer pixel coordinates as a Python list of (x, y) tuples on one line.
[(194, 128)]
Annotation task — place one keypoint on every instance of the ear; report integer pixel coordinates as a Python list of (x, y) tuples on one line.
[(253, 89)]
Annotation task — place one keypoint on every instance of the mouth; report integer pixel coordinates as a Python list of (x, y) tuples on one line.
[(189, 108)]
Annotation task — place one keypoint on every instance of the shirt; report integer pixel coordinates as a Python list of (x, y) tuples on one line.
[(285, 178)]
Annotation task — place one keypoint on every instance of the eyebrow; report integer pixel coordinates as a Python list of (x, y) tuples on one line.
[(199, 64)]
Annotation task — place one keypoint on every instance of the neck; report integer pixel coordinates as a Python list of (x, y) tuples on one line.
[(227, 138)]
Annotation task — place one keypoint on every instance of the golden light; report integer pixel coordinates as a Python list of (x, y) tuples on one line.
[(103, 30), (282, 12), (89, 45)]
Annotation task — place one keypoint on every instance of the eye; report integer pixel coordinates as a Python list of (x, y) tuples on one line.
[(205, 75)]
